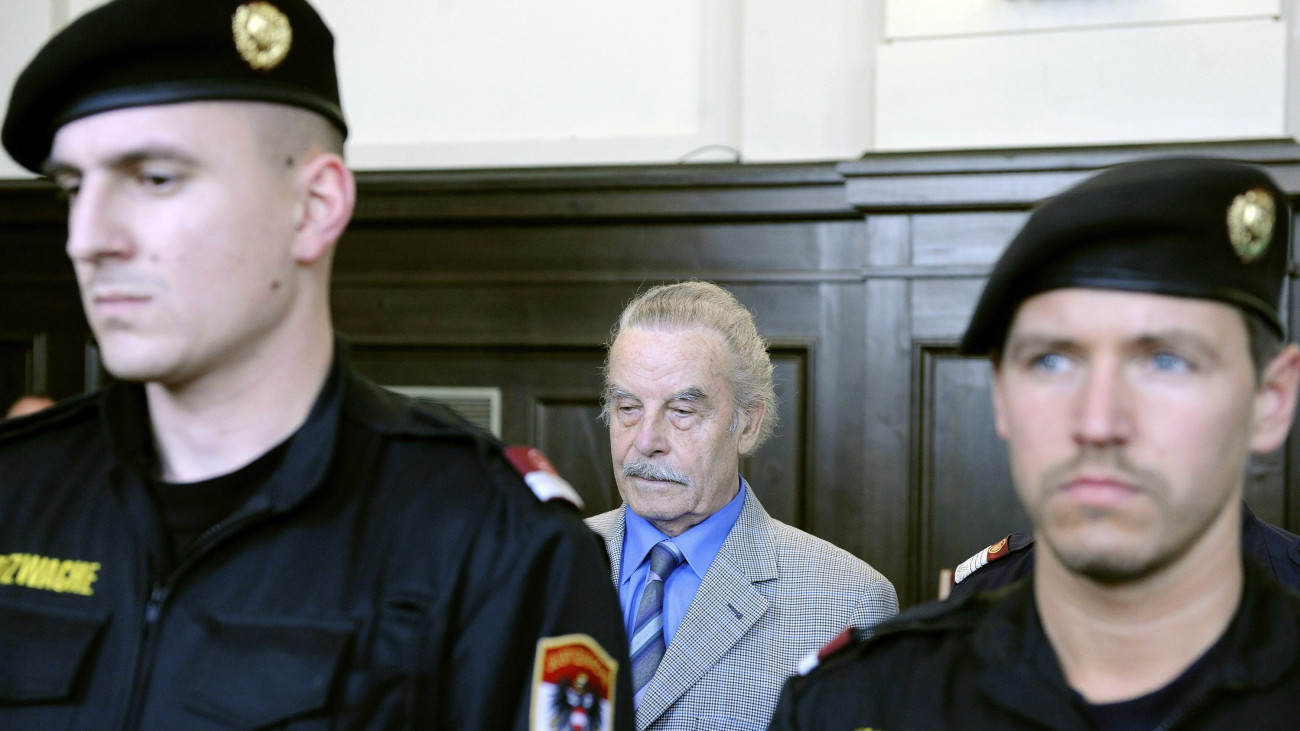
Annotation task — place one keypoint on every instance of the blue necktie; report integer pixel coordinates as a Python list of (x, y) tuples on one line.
[(648, 633)]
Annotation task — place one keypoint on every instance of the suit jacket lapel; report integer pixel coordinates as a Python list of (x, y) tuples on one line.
[(609, 526), (724, 608)]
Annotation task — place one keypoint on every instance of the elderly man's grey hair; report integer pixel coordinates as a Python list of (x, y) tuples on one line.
[(704, 305)]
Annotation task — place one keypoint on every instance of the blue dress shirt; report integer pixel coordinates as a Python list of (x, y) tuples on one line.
[(699, 543)]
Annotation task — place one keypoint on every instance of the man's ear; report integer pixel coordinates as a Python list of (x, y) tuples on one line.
[(750, 423), (330, 194), (1275, 401)]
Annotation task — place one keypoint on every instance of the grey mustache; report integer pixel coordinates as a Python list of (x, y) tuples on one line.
[(649, 471)]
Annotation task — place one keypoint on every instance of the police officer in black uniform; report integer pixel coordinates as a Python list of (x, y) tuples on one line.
[(1134, 330), (243, 531)]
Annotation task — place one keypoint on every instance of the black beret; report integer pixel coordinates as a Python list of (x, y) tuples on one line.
[(1182, 226), (131, 53)]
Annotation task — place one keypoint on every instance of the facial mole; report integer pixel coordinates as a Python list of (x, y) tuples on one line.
[(288, 161), (275, 284)]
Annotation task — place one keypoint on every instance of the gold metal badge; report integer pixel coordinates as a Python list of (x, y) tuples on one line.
[(262, 34), (1250, 223)]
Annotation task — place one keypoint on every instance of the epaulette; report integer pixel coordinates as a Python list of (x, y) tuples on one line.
[(1003, 548), (541, 476), (927, 617), (813, 659)]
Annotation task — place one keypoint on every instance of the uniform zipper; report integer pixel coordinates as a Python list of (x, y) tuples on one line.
[(160, 592), (153, 608)]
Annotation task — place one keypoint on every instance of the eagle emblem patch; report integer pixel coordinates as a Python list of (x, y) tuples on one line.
[(573, 685)]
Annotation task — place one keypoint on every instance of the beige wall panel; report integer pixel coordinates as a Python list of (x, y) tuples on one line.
[(501, 82), (26, 25), (1202, 81), (807, 71), (930, 18)]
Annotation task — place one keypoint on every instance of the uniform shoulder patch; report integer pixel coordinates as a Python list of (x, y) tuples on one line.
[(1003, 548), (573, 685), (541, 477)]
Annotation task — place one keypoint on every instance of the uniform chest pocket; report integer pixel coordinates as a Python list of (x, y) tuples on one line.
[(44, 651), (256, 672)]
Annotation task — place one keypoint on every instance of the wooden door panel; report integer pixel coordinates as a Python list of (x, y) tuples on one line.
[(967, 500)]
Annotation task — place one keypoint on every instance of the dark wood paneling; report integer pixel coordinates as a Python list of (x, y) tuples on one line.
[(961, 510), (569, 431), (602, 251), (861, 274), (673, 192), (22, 367), (778, 471)]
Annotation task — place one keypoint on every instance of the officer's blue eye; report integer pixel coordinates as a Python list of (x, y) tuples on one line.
[(1170, 362), (1050, 362)]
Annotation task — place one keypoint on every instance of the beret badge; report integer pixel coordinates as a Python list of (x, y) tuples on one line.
[(1250, 223), (262, 34)]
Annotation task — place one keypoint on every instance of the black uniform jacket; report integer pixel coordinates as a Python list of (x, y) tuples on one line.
[(395, 572), (984, 662), (1276, 549)]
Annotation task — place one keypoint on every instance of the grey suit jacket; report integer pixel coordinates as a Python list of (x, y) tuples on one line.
[(773, 595)]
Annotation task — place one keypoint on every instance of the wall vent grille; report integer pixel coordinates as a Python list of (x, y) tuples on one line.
[(481, 406)]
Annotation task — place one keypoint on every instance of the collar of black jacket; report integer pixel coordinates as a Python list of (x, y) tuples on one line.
[(1261, 644), (345, 394), (125, 420)]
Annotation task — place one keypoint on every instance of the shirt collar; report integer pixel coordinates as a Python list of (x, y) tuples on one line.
[(700, 543)]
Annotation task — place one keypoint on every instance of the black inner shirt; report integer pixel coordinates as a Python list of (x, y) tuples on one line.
[(1153, 709), (191, 508)]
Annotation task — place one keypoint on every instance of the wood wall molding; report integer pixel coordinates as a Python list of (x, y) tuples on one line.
[(1017, 179)]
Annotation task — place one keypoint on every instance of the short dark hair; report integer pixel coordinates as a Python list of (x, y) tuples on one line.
[(285, 134), (1264, 342)]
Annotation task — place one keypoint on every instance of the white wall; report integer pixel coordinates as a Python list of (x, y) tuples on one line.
[(479, 83), (474, 83), (24, 26), (1011, 73)]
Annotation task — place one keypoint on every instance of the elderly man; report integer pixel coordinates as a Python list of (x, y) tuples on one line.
[(244, 532), (1137, 364), (720, 601)]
